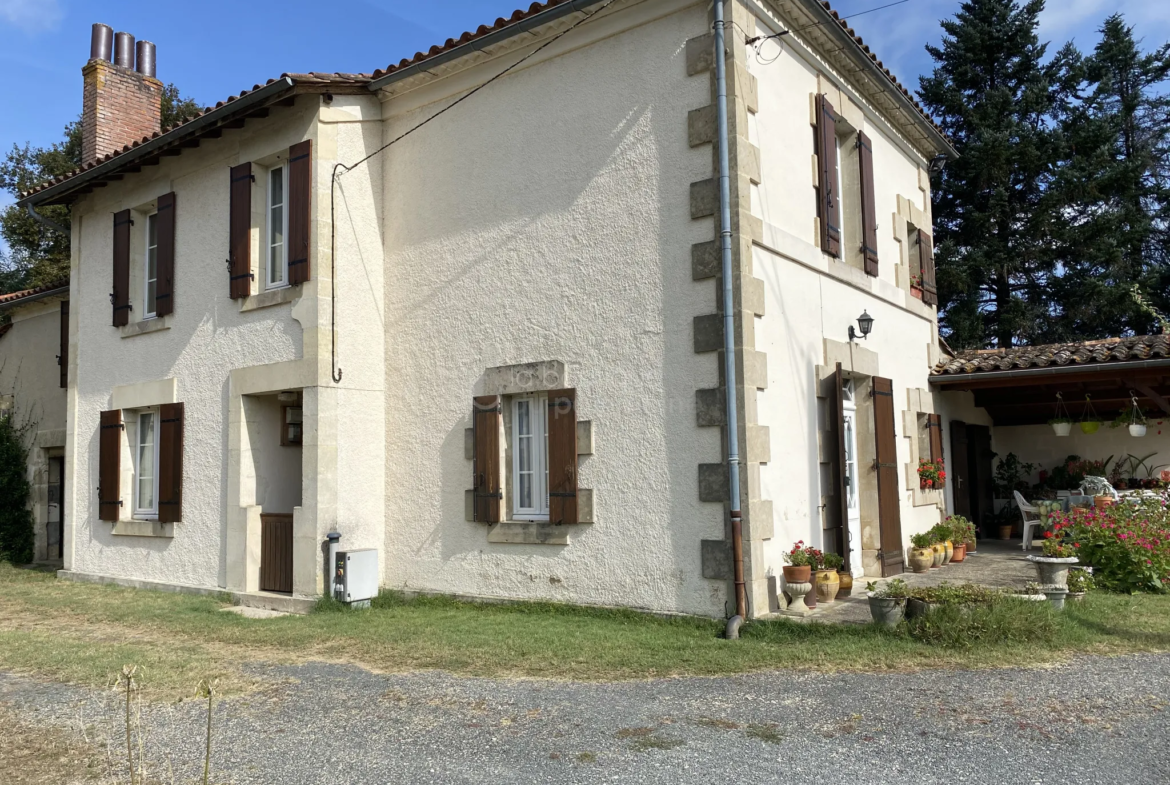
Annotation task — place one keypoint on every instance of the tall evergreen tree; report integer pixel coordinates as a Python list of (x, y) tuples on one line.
[(992, 92), (1114, 190), (36, 254)]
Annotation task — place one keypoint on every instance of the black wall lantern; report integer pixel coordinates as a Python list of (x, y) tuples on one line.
[(864, 323)]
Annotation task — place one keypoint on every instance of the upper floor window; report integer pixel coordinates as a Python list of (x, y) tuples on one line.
[(150, 273), (277, 251)]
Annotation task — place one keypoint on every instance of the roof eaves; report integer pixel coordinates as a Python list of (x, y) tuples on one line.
[(144, 149), (32, 295), (520, 22)]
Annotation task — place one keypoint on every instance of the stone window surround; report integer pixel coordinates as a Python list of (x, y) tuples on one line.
[(521, 379), (131, 397), (919, 402)]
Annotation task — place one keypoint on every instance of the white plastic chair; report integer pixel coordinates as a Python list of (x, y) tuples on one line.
[(1029, 523)]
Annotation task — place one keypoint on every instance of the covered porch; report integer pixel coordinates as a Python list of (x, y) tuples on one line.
[(999, 407)]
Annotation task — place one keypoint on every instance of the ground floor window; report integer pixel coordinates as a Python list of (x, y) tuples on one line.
[(530, 457), (146, 465)]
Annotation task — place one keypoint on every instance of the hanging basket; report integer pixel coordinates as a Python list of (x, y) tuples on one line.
[(1137, 418), (1090, 422), (1061, 423)]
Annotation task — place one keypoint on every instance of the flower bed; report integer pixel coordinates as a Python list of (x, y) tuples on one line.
[(1127, 545)]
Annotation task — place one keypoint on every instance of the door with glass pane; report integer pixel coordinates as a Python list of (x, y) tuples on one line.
[(852, 503)]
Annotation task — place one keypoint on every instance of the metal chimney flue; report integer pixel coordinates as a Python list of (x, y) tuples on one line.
[(101, 42), (124, 50), (146, 65)]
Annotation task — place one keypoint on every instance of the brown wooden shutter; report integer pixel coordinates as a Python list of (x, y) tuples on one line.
[(889, 501), (240, 231), (110, 466), (829, 202), (170, 463), (837, 513), (926, 264), (934, 422), (63, 357), (165, 226), (300, 199), (488, 490), (868, 204), (120, 297), (562, 456)]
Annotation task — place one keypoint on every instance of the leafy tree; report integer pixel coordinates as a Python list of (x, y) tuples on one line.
[(993, 93), (16, 520), (1114, 189), (36, 254)]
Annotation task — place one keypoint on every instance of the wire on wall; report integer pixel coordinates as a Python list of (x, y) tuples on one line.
[(340, 169)]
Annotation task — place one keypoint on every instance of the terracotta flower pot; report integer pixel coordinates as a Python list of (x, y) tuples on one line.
[(1005, 531), (827, 585), (921, 559), (800, 574), (948, 552), (971, 547), (1101, 502), (916, 292), (960, 552)]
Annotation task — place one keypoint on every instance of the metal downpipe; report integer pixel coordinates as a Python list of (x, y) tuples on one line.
[(43, 221), (728, 313)]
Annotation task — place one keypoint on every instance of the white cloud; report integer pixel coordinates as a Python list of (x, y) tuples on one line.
[(31, 16)]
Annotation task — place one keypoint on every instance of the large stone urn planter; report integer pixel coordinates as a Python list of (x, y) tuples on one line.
[(828, 585), (1053, 571), (921, 559)]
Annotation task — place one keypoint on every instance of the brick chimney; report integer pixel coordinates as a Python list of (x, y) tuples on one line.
[(121, 100)]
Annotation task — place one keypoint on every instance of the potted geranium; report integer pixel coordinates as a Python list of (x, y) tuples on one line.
[(963, 531), (827, 582), (800, 575), (916, 286), (888, 605), (921, 554), (932, 475), (1053, 566)]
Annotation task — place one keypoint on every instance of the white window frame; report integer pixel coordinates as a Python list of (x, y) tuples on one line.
[(269, 283), (140, 512), (538, 404), (147, 311), (842, 150)]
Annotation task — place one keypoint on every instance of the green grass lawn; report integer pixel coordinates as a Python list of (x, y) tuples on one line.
[(84, 634)]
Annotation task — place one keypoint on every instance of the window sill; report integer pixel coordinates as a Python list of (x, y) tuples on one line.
[(140, 528), (530, 532), (154, 325), (268, 299)]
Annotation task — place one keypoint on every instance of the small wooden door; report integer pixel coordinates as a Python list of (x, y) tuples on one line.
[(886, 465), (836, 517), (55, 540), (959, 471), (276, 552)]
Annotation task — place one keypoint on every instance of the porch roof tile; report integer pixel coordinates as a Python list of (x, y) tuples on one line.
[(1105, 351)]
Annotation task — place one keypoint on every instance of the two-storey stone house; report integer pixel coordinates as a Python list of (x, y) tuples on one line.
[(466, 310)]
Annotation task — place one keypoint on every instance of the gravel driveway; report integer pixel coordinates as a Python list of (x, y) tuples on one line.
[(1094, 720)]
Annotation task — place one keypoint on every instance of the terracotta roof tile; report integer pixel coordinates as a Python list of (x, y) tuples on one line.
[(1109, 350), (311, 78), (7, 299)]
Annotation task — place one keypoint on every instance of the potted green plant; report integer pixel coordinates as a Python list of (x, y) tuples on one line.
[(921, 554), (942, 533), (963, 531), (827, 582), (798, 577), (1080, 581), (887, 605), (1090, 422), (1061, 426)]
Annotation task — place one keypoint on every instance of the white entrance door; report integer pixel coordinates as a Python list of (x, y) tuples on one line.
[(853, 527)]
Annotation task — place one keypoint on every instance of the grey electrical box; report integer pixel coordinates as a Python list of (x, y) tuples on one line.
[(355, 577)]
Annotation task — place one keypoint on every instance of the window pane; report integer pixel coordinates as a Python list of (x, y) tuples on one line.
[(151, 299), (276, 225), (146, 461), (152, 230)]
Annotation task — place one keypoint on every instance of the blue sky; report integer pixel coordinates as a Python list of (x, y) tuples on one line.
[(214, 48)]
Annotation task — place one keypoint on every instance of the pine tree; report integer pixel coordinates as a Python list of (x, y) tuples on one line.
[(992, 92), (1114, 189)]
